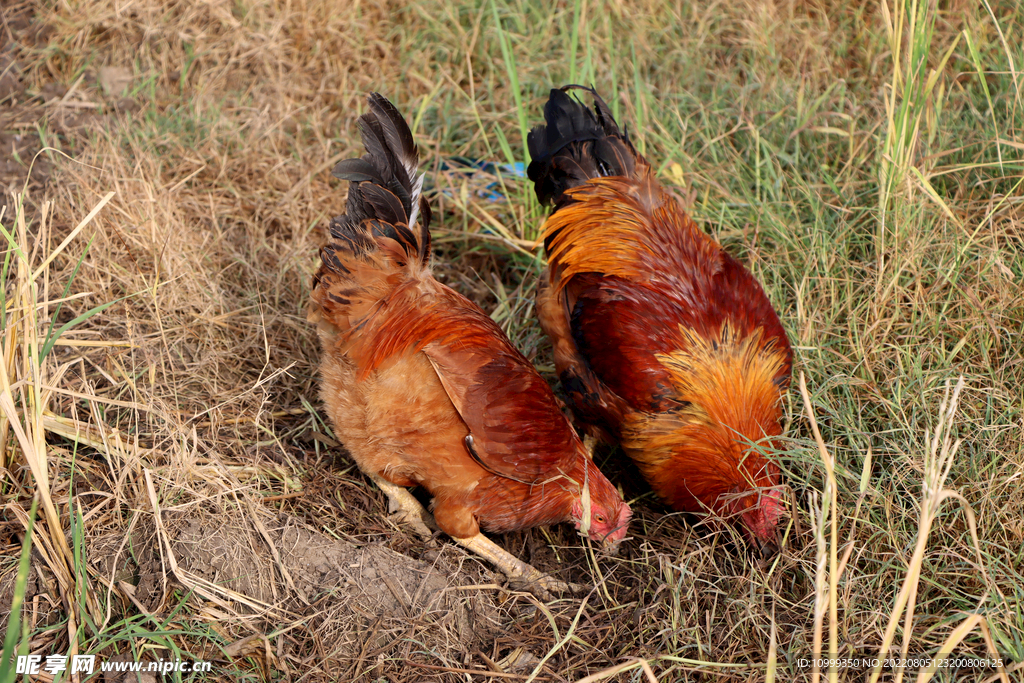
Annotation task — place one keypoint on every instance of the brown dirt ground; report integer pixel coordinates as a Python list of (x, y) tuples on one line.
[(19, 110)]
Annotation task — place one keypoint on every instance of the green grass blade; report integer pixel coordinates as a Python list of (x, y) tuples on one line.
[(80, 319), (513, 76), (8, 672), (574, 38), (49, 339)]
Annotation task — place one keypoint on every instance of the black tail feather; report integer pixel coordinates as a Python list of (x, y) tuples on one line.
[(576, 144), (384, 199)]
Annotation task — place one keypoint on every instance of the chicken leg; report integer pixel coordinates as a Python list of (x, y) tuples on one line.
[(421, 521), (406, 506), (513, 567)]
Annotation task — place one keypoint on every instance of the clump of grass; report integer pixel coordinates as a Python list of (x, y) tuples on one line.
[(24, 395)]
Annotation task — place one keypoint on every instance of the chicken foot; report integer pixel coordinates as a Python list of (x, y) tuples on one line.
[(406, 506), (513, 567), (412, 512)]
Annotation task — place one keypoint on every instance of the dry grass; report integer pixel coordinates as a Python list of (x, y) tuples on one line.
[(864, 159)]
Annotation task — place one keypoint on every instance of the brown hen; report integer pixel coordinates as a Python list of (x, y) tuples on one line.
[(663, 341), (423, 388)]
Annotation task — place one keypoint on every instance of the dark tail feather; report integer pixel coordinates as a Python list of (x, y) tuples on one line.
[(385, 188), (385, 230), (576, 144)]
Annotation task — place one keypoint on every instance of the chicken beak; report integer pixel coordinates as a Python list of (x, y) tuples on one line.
[(769, 550), (611, 541), (609, 547)]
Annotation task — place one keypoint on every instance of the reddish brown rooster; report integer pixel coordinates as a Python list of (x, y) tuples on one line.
[(662, 339), (423, 387)]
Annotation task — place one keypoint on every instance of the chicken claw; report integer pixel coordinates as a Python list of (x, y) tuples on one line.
[(515, 568), (408, 509)]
